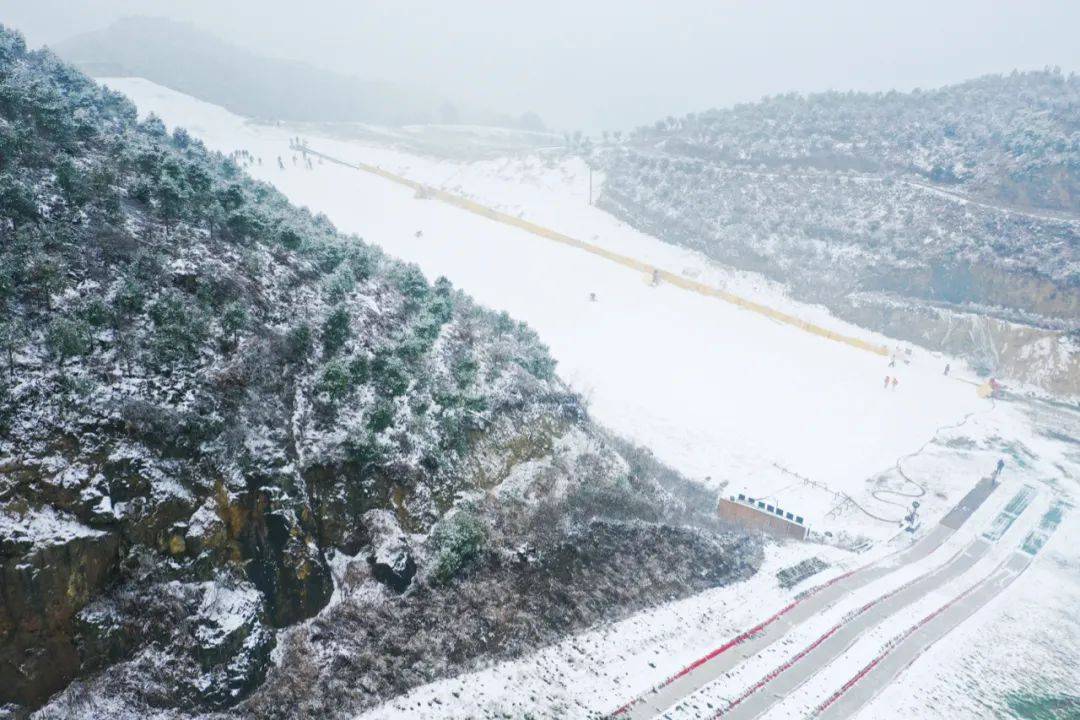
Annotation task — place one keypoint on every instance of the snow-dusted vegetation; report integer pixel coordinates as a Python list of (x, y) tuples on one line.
[(251, 465), (1009, 138), (944, 217)]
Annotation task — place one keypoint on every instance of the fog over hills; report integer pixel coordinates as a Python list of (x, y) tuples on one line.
[(615, 65), (185, 58)]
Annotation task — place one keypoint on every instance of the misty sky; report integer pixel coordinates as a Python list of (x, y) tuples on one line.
[(615, 63)]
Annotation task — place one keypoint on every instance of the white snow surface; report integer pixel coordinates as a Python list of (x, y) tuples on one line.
[(44, 526), (223, 611), (817, 687), (1035, 620)]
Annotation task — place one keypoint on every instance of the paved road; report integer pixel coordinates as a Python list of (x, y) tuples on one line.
[(908, 650), (656, 702)]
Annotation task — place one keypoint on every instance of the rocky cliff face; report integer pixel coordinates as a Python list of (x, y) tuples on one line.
[(51, 567), (993, 346), (239, 450)]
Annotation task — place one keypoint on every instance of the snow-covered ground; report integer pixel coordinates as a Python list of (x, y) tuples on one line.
[(719, 393), (817, 687), (1024, 645)]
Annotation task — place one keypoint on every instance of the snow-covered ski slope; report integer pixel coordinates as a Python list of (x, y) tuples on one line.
[(715, 391)]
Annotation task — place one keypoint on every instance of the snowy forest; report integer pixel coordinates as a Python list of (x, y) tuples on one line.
[(1009, 138)]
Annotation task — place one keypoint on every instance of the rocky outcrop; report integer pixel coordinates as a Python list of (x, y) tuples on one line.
[(390, 556), (1047, 358), (76, 599), (51, 566), (277, 537), (203, 643)]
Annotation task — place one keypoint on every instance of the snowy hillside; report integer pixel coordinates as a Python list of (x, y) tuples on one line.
[(946, 218), (251, 464), (1006, 139)]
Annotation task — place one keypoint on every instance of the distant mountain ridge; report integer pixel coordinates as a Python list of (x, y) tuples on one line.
[(189, 60)]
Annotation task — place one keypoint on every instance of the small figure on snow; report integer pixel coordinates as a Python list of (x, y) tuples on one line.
[(592, 297), (655, 277), (946, 369), (895, 382), (999, 468), (887, 378), (419, 234)]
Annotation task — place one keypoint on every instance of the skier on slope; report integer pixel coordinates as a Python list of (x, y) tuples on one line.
[(946, 369), (887, 378), (895, 382)]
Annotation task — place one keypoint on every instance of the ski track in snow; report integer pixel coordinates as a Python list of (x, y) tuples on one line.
[(721, 394)]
